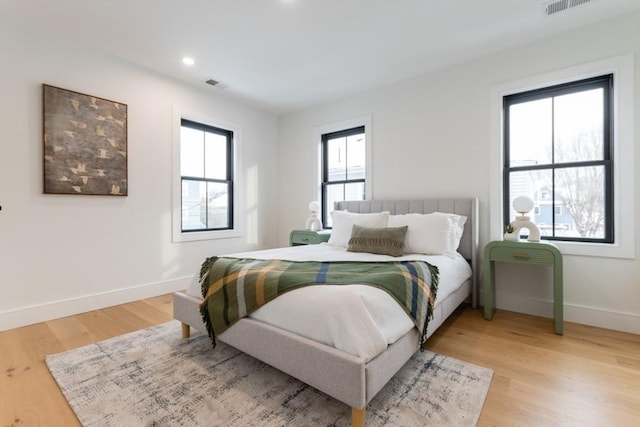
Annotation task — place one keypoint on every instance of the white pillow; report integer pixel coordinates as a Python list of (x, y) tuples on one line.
[(431, 234), (457, 228), (343, 222)]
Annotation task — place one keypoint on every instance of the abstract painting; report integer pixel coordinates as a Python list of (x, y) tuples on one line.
[(85, 144)]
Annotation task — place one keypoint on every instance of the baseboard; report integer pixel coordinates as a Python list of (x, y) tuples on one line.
[(53, 310), (585, 315), (618, 321), (593, 316)]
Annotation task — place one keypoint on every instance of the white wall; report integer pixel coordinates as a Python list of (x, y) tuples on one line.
[(63, 254), (431, 137)]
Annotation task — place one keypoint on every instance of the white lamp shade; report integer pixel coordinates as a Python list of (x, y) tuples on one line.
[(522, 204), (314, 206)]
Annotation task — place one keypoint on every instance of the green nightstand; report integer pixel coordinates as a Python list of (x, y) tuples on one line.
[(308, 237), (542, 253)]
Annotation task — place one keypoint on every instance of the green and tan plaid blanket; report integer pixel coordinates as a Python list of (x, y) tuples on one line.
[(233, 288)]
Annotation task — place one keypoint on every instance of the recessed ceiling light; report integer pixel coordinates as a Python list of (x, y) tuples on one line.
[(187, 60)]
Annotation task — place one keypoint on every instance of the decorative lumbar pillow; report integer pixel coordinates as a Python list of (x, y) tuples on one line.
[(430, 234), (343, 222), (384, 241)]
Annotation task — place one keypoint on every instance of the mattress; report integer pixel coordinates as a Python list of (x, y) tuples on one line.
[(358, 319)]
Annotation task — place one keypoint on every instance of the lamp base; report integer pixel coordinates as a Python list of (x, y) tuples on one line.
[(524, 222), (313, 223)]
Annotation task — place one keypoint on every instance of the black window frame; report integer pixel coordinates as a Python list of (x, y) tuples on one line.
[(229, 181), (325, 138), (604, 82)]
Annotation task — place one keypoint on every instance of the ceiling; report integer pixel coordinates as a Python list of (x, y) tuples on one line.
[(286, 55)]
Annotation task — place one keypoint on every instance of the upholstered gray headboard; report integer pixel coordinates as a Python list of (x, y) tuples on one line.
[(467, 207)]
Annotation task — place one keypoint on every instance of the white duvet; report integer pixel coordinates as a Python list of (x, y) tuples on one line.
[(358, 319)]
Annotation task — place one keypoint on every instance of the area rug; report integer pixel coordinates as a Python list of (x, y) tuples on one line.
[(153, 377)]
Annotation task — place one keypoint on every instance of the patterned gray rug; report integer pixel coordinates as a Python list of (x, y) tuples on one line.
[(153, 377)]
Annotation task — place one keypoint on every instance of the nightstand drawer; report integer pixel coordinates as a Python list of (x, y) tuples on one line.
[(307, 237), (304, 239), (526, 255)]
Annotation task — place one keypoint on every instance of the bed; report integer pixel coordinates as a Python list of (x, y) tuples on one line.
[(351, 378)]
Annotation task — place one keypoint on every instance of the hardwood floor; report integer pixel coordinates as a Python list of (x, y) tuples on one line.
[(586, 377)]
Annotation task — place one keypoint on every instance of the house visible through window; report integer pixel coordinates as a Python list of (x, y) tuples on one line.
[(206, 173), (557, 151), (343, 168)]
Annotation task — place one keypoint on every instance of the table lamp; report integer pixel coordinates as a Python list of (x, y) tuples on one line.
[(313, 222), (523, 205)]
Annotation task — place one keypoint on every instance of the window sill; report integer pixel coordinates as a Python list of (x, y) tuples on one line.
[(603, 250), (179, 237)]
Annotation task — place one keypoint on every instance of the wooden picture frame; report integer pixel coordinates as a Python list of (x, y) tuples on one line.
[(85, 144)]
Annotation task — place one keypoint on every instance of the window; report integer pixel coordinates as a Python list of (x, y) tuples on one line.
[(206, 177), (557, 151), (622, 115), (343, 168)]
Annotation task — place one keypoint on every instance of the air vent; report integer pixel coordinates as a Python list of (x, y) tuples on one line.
[(212, 82), (561, 5)]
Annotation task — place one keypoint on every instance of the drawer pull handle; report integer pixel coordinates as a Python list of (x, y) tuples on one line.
[(521, 256)]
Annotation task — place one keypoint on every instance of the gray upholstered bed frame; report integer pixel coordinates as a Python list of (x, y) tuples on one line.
[(334, 372)]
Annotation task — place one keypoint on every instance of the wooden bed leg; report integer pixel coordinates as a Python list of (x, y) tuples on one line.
[(186, 330), (358, 416)]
